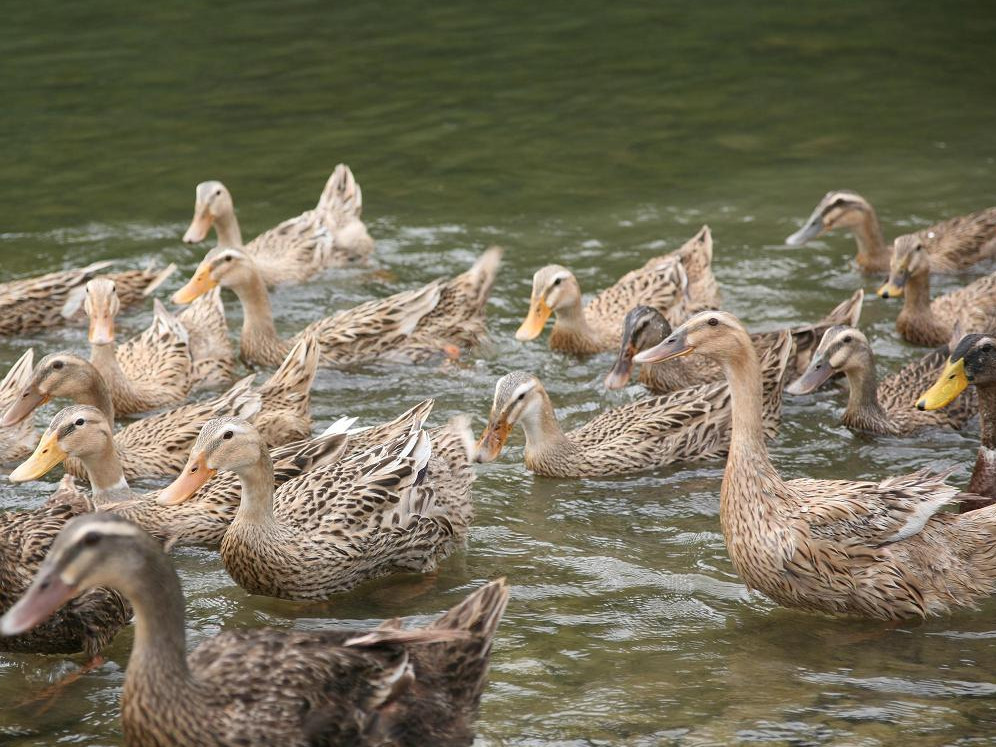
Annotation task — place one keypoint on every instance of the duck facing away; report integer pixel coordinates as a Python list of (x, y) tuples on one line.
[(330, 235), (260, 686), (972, 361), (674, 284), (686, 425), (331, 529), (408, 326), (645, 327), (17, 438), (926, 322), (884, 407), (952, 245), (881, 550)]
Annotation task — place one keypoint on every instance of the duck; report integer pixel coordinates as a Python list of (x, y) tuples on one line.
[(16, 439), (951, 245), (412, 326), (933, 323), (644, 327), (51, 300), (151, 371), (157, 446), (882, 550), (331, 529), (331, 235), (879, 407), (972, 361), (675, 284), (363, 687), (212, 356), (686, 425), (84, 433), (85, 625)]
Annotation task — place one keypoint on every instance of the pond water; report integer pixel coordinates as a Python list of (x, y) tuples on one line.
[(589, 134)]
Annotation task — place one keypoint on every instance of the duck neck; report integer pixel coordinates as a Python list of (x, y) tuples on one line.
[(103, 470), (987, 415), (983, 480), (917, 295), (872, 251), (571, 331), (226, 226), (96, 394), (862, 400), (104, 359), (543, 432), (256, 507), (258, 329)]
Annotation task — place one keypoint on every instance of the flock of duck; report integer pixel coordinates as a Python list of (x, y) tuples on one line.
[(304, 517)]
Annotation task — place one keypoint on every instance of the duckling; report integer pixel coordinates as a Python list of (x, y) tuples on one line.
[(265, 686)]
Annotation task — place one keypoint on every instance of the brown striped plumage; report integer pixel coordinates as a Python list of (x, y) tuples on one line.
[(16, 439), (211, 351)]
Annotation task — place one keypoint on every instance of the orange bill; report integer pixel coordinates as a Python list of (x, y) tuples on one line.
[(539, 312), (492, 441), (48, 454), (194, 476), (893, 288), (197, 286), (199, 227), (101, 329)]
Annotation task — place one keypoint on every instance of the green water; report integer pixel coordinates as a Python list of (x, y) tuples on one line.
[(587, 134)]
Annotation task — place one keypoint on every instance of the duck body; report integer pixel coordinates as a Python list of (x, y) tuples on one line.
[(16, 439), (211, 354), (373, 687), (879, 550)]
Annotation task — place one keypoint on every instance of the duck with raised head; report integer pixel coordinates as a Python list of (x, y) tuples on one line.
[(686, 425), (375, 513), (925, 322), (972, 361), (951, 245), (30, 304), (675, 284), (880, 550), (362, 687), (880, 407), (414, 325), (645, 327), (17, 438), (330, 235)]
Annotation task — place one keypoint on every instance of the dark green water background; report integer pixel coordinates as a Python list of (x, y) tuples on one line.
[(590, 134)]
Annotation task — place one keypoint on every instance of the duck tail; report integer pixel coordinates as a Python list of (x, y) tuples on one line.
[(290, 385), (341, 200)]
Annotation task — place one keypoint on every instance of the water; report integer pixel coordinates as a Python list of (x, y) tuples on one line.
[(591, 135)]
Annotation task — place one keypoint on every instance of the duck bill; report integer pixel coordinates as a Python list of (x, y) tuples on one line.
[(676, 346), (812, 229), (530, 329), (48, 454), (30, 400), (813, 378), (618, 377), (197, 286), (101, 329), (194, 476), (199, 227), (492, 440), (893, 288), (46, 594), (948, 386)]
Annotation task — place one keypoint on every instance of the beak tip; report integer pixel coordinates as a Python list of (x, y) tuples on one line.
[(921, 405)]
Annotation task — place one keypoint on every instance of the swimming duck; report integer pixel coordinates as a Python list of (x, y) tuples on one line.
[(327, 531), (972, 361), (875, 407), (211, 353), (151, 371), (951, 245), (689, 424), (675, 284), (49, 300), (645, 327), (16, 439), (409, 326), (926, 322), (880, 550), (330, 235), (260, 686)]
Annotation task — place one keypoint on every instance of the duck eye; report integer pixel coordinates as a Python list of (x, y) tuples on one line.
[(58, 364), (217, 193), (848, 338), (713, 322), (227, 435), (80, 421), (557, 281), (228, 257), (91, 538), (987, 348), (521, 397)]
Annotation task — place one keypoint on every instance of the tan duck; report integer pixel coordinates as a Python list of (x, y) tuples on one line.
[(675, 284), (211, 353), (50, 300), (879, 407), (157, 446), (950, 245), (882, 550), (151, 371), (84, 433), (327, 531), (972, 361), (687, 425), (263, 686), (926, 322), (16, 439), (87, 623), (645, 327), (440, 317), (331, 235)]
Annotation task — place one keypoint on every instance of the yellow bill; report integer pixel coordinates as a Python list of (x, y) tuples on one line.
[(539, 312), (948, 386), (194, 476), (197, 286), (48, 454)]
